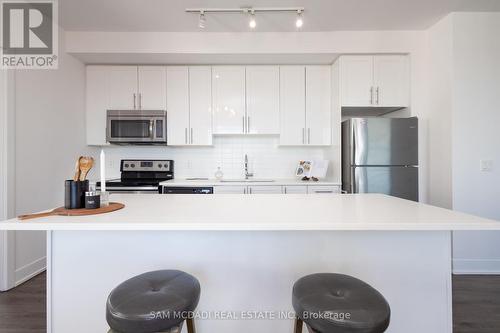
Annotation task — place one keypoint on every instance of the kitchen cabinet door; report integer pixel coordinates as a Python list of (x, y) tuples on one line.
[(152, 88), (200, 105), (123, 88), (264, 189), (228, 91), (323, 189), (295, 189), (262, 98), (318, 105), (356, 80), (292, 105), (177, 90), (391, 75), (230, 189), (96, 104)]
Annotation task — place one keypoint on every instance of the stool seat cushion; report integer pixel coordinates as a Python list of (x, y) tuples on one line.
[(152, 302), (336, 303)]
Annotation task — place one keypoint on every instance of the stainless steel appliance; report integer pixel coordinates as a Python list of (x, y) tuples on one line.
[(136, 127), (141, 176), (187, 190), (380, 155)]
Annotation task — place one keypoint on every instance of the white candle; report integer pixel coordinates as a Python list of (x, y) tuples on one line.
[(103, 171)]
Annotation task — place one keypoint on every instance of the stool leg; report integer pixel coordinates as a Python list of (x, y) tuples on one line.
[(190, 326), (298, 325)]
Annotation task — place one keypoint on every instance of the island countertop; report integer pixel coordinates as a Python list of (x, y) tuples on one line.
[(269, 212)]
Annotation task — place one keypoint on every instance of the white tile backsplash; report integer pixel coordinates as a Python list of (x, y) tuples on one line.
[(266, 158)]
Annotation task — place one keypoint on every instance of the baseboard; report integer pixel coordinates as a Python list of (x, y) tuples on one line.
[(476, 266), (30, 270)]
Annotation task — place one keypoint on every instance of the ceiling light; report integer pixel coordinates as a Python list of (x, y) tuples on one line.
[(252, 23), (299, 22), (202, 21)]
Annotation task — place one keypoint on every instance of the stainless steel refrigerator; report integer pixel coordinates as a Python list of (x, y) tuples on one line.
[(380, 155)]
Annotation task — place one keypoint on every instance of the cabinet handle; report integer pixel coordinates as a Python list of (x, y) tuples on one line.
[(243, 118), (244, 190), (151, 131), (140, 100), (323, 191), (377, 95), (371, 95), (284, 189), (250, 190), (303, 135), (191, 136), (309, 135), (134, 101), (248, 124), (186, 135)]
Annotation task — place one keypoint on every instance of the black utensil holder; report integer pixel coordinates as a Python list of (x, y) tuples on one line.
[(74, 193)]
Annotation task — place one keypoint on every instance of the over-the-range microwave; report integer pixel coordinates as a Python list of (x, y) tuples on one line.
[(136, 126)]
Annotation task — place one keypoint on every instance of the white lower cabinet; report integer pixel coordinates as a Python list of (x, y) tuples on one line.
[(230, 189), (295, 189), (322, 189), (262, 189)]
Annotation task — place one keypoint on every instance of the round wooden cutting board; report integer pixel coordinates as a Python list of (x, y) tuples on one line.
[(61, 211)]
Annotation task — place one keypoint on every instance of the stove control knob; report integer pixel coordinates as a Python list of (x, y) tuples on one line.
[(132, 165), (166, 166), (126, 165), (159, 166)]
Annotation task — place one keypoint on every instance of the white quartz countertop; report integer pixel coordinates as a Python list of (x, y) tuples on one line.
[(263, 212), (251, 182)]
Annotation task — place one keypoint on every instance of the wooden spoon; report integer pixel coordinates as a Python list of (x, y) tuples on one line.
[(86, 163), (76, 177)]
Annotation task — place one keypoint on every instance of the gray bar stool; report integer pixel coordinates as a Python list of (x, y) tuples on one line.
[(336, 303), (153, 302)]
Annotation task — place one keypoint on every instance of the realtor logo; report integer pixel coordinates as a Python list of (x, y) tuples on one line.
[(29, 35)]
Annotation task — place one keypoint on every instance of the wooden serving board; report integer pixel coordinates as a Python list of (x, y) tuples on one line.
[(61, 211)]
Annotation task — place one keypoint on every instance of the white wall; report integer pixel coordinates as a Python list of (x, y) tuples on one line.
[(476, 116), (50, 134)]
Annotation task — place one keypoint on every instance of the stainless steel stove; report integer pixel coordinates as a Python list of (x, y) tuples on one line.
[(140, 176)]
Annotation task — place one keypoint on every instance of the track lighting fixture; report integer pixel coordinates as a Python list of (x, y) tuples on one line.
[(299, 22), (202, 21), (252, 23), (251, 11)]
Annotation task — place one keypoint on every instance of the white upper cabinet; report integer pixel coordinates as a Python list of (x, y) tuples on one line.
[(305, 105), (152, 88), (318, 105), (189, 105), (122, 87), (200, 105), (96, 104), (177, 91), (357, 80), (292, 105), (228, 91), (391, 76), (262, 100), (375, 81)]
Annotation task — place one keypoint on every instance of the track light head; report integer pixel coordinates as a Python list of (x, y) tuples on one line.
[(252, 23), (299, 22), (202, 21)]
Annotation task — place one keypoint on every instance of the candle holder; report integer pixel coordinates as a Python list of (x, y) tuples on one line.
[(104, 199)]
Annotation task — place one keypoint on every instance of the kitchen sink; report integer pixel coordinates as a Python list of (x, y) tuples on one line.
[(247, 180)]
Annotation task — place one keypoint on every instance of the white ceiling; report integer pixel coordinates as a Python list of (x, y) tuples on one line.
[(319, 15)]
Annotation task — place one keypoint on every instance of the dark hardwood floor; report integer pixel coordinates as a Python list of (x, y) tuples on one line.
[(476, 306), (22, 310)]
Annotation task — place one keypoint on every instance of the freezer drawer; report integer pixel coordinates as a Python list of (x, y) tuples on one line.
[(401, 182)]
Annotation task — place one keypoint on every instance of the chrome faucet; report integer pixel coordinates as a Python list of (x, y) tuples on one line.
[(247, 174)]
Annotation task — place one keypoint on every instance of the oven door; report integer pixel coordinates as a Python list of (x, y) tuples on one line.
[(136, 127)]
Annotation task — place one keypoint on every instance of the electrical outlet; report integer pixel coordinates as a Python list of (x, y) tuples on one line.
[(486, 165)]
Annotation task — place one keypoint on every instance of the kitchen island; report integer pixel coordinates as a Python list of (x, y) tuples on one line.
[(247, 251)]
